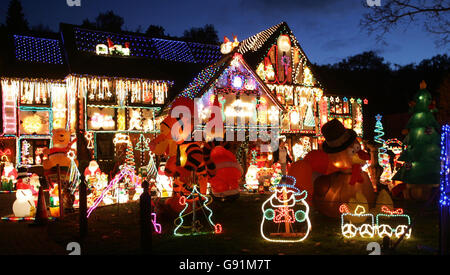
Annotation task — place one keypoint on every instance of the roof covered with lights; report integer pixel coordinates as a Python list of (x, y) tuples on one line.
[(255, 48), (141, 46), (39, 50), (32, 55)]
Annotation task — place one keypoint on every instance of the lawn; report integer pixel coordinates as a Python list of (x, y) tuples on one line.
[(111, 231), (116, 231), (241, 236)]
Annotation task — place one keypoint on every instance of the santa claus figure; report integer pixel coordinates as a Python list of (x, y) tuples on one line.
[(92, 171), (9, 171), (9, 177)]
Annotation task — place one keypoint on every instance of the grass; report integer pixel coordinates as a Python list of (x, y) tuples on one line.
[(241, 220), (110, 231), (117, 232)]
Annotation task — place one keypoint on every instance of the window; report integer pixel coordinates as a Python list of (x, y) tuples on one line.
[(101, 92), (105, 146), (32, 151), (140, 120), (35, 93), (34, 122), (339, 107), (101, 119), (147, 93)]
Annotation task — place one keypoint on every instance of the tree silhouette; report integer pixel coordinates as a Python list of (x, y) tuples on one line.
[(207, 35), (41, 28), (155, 31), (366, 61), (88, 24), (15, 19), (109, 21), (433, 13)]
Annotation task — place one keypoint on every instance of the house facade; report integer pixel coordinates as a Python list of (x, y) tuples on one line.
[(110, 90)]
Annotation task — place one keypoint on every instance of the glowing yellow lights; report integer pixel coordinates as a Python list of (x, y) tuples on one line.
[(240, 109), (227, 46), (360, 210), (32, 124), (284, 43), (295, 117), (121, 120), (308, 78)]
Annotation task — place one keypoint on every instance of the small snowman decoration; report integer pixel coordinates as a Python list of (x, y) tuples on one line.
[(24, 204)]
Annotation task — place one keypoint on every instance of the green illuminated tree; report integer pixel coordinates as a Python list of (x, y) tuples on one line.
[(422, 154)]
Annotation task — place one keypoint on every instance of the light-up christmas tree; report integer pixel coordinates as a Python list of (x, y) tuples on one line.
[(309, 118), (142, 146), (379, 130), (152, 171), (190, 222), (129, 159), (422, 152), (383, 157)]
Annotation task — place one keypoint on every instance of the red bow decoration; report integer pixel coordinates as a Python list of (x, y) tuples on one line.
[(398, 211), (356, 174)]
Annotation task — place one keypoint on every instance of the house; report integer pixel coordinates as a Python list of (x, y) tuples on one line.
[(271, 68), (111, 90), (101, 86)]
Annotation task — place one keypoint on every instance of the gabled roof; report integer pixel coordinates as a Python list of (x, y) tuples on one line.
[(203, 81), (253, 50), (150, 58), (256, 47)]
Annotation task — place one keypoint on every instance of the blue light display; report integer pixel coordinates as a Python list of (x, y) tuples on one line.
[(39, 50), (146, 47), (445, 166), (174, 50)]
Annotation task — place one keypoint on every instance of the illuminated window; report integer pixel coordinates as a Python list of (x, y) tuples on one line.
[(34, 93), (34, 122), (101, 91), (32, 151), (101, 119)]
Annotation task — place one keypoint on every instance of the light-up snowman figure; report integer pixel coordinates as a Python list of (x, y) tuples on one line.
[(164, 184), (286, 215), (24, 204), (251, 178)]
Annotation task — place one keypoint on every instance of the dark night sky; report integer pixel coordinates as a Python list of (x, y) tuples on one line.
[(328, 30)]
